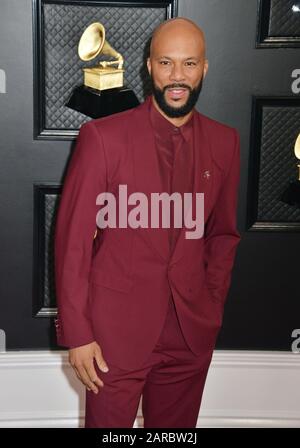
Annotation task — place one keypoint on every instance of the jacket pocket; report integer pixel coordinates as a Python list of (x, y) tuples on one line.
[(105, 278)]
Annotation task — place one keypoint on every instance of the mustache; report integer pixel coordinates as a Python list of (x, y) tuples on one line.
[(177, 85)]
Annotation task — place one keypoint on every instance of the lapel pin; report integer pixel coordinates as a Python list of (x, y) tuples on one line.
[(206, 174)]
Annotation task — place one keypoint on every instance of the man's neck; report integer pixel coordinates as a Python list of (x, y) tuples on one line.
[(178, 121)]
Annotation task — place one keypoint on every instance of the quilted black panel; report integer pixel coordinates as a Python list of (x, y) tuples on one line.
[(280, 127), (284, 18), (51, 207), (128, 29), (46, 201)]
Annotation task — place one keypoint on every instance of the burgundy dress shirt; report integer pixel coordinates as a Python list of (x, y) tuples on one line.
[(175, 156)]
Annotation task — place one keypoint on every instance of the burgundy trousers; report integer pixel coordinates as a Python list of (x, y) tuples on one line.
[(171, 384)]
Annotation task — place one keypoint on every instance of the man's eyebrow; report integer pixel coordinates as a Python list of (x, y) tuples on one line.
[(163, 57), (185, 59)]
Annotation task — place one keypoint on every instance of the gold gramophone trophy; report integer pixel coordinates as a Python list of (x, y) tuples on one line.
[(291, 195), (103, 91)]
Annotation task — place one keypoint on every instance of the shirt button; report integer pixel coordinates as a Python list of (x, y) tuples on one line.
[(175, 129)]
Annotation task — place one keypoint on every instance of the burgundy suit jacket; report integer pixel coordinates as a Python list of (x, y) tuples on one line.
[(115, 288)]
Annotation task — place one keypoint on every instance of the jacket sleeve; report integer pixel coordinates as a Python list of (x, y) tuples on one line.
[(221, 234), (74, 236)]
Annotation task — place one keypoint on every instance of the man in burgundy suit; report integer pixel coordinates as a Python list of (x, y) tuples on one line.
[(140, 308)]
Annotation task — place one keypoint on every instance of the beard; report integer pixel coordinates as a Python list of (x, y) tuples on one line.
[(175, 112)]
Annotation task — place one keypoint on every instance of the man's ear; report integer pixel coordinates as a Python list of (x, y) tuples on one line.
[(205, 69), (149, 65)]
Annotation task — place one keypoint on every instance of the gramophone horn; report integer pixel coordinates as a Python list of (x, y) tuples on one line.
[(92, 43)]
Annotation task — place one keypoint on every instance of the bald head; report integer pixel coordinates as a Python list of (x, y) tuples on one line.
[(179, 28)]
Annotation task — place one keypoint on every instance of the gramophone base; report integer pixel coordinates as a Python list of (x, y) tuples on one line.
[(291, 194), (103, 78), (95, 103)]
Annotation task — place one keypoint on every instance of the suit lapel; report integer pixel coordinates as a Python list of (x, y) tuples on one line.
[(146, 173), (202, 183)]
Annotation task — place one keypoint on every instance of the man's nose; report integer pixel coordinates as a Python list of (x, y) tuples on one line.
[(177, 73)]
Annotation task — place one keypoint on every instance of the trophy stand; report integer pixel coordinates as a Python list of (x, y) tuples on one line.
[(96, 104), (102, 92)]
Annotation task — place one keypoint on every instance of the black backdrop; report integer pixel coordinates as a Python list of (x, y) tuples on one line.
[(263, 305)]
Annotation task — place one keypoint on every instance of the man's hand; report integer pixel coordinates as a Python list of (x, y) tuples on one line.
[(81, 359)]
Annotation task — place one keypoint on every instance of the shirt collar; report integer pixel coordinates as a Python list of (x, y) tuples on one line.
[(164, 128)]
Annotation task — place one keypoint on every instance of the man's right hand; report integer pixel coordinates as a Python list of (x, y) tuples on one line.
[(82, 360)]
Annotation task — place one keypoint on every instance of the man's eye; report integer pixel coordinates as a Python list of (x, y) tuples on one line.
[(190, 63), (164, 62)]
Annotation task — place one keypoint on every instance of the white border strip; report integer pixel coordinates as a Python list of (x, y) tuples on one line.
[(243, 389)]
